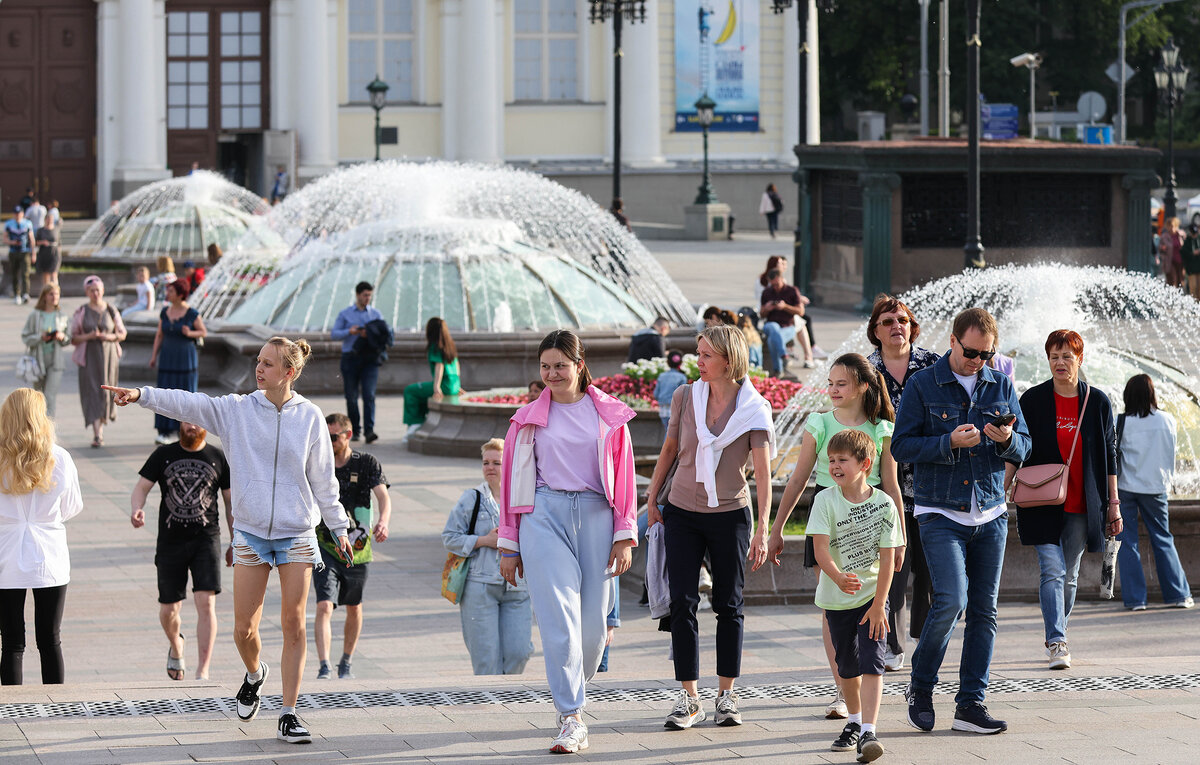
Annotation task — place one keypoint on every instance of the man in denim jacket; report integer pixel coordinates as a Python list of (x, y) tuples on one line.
[(946, 429)]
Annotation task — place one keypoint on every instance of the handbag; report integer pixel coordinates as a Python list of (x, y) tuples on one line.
[(454, 572), (1041, 485), (29, 369)]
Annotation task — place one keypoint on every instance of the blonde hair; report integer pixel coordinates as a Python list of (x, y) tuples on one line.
[(46, 290), (26, 443), (495, 444), (753, 339), (729, 342), (293, 355)]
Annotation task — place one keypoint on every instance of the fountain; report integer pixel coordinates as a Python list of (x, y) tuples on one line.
[(1131, 323)]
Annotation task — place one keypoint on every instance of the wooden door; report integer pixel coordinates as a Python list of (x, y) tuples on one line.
[(48, 103)]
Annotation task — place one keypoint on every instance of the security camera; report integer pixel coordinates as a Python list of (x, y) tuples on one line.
[(1031, 60)]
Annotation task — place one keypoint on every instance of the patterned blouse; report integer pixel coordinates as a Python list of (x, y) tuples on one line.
[(918, 359)]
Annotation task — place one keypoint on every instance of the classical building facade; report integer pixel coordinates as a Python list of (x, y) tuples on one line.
[(98, 97)]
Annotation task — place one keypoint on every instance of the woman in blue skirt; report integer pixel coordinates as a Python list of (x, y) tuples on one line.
[(175, 353)]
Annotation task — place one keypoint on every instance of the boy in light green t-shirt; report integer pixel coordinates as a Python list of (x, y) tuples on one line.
[(856, 530)]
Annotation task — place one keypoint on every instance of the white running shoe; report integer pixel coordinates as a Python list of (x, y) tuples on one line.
[(837, 708), (705, 583), (1187, 602), (1060, 657), (727, 709), (686, 712), (892, 662), (571, 739)]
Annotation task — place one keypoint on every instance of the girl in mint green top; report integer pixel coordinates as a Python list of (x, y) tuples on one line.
[(443, 365)]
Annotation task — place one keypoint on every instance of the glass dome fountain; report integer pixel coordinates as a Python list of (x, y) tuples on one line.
[(179, 218), (476, 274), (492, 247), (1131, 324)]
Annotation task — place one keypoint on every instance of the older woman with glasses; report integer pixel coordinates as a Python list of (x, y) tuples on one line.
[(1070, 423), (892, 329)]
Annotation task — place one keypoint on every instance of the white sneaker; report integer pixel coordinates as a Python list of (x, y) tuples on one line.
[(572, 738), (892, 662), (17, 300), (705, 584), (686, 712), (1060, 657), (819, 353), (1185, 603), (727, 709), (837, 708)]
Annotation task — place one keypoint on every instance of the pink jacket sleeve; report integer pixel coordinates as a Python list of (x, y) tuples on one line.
[(624, 488), (510, 522)]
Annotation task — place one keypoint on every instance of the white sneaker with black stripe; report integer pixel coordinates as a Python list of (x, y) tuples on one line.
[(292, 731), (248, 698), (727, 709)]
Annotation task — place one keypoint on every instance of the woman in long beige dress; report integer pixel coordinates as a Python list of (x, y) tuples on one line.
[(96, 333)]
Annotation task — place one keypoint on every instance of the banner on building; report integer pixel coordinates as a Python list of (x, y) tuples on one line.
[(717, 51)]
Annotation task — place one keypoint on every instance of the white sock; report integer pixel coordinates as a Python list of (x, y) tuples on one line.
[(287, 711), (254, 677), (868, 728), (856, 718)]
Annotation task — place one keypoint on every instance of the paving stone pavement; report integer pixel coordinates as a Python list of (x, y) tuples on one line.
[(412, 649)]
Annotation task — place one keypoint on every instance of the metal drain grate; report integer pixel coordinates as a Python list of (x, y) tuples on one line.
[(355, 700)]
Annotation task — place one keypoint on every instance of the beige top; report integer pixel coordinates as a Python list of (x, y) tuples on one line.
[(732, 491)]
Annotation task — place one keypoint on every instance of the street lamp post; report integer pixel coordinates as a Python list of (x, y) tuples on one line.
[(619, 11), (1170, 76), (1032, 61), (705, 107), (378, 90), (973, 249)]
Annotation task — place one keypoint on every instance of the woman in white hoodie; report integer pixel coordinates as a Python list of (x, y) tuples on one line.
[(281, 465), (39, 492)]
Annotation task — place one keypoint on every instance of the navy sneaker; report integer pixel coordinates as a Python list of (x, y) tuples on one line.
[(920, 708), (974, 718), (869, 748)]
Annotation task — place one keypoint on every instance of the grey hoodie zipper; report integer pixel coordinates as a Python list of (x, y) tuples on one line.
[(275, 471)]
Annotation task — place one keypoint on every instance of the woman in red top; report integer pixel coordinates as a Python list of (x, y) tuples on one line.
[(1054, 411)]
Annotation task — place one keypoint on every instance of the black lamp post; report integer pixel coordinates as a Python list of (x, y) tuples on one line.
[(973, 249), (378, 90), (619, 11), (705, 107), (799, 265), (1170, 77)]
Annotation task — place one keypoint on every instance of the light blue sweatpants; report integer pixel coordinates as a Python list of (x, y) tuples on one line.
[(565, 544)]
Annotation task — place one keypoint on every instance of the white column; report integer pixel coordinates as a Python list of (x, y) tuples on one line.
[(500, 72), (282, 80), (313, 66), (108, 100), (138, 160), (331, 83), (478, 137), (451, 18), (791, 87), (158, 92), (641, 123), (813, 134)]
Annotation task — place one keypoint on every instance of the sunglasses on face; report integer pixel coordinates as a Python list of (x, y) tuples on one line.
[(889, 321), (336, 436), (971, 353)]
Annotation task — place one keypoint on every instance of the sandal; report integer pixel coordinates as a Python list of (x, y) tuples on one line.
[(97, 442), (176, 664)]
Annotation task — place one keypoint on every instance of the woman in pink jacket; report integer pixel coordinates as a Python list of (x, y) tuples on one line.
[(568, 519)]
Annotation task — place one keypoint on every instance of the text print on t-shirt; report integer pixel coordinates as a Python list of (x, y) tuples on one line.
[(190, 491), (857, 539)]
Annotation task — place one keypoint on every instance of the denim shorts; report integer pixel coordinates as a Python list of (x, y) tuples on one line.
[(250, 550)]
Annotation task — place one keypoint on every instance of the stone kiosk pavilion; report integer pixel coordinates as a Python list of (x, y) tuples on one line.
[(888, 215)]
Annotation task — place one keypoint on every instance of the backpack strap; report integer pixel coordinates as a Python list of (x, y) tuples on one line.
[(1120, 429), (474, 513)]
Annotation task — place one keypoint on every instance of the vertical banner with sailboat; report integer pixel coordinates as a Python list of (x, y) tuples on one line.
[(717, 52)]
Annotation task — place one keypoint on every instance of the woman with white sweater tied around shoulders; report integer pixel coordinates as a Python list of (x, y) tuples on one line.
[(281, 463)]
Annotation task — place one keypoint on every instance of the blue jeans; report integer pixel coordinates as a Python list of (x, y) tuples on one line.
[(497, 623), (251, 550), (1153, 511), (964, 567), (358, 374), (777, 338), (1060, 575)]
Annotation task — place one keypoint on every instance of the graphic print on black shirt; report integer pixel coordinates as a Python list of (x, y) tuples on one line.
[(190, 484)]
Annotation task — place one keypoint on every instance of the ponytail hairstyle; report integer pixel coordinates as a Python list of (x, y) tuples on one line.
[(293, 355), (437, 335), (876, 403), (567, 343)]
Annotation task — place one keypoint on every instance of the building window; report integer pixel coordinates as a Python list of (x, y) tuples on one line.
[(381, 42), (841, 208), (241, 70), (544, 51), (187, 71)]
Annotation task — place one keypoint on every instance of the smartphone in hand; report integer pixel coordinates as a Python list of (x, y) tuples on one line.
[(1004, 419)]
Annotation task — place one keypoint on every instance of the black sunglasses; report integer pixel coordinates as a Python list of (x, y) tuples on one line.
[(336, 436), (971, 353)]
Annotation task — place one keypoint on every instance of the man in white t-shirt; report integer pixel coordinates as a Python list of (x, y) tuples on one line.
[(959, 423)]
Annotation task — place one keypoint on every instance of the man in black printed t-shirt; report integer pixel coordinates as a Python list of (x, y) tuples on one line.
[(189, 474)]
